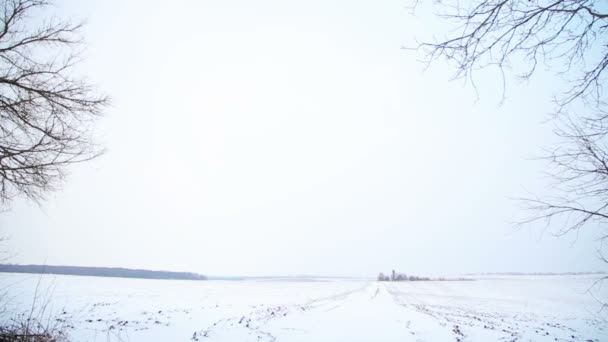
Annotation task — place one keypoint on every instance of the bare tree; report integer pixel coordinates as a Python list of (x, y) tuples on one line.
[(45, 110), (570, 38)]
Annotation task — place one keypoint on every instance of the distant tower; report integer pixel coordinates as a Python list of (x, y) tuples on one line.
[(393, 276)]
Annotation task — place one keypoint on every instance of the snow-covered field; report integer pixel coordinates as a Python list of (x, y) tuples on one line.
[(514, 308)]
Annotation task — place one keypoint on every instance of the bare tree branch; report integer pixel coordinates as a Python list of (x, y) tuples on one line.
[(567, 35), (44, 111), (570, 38)]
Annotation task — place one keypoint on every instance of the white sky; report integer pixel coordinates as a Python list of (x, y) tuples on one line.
[(283, 137)]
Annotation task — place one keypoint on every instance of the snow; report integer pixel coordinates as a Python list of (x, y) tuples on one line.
[(509, 308)]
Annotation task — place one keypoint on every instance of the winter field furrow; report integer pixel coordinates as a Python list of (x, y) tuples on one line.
[(510, 308)]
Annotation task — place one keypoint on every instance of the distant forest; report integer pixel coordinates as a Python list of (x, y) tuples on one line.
[(100, 272)]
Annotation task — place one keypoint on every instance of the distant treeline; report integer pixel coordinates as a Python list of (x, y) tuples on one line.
[(536, 273), (395, 276), (100, 272)]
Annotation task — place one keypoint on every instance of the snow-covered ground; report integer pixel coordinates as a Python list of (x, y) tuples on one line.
[(509, 308)]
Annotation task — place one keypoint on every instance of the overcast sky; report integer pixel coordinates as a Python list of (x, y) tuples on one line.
[(294, 137)]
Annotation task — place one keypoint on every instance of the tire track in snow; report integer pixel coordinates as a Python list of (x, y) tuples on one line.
[(253, 322)]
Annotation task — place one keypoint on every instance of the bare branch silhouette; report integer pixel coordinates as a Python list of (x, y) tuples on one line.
[(45, 111), (569, 36), (570, 39)]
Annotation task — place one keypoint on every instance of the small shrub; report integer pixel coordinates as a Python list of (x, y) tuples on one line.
[(28, 329)]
